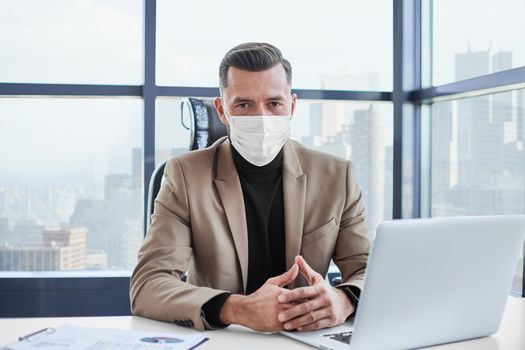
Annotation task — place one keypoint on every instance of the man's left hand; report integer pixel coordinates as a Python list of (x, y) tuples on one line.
[(317, 306)]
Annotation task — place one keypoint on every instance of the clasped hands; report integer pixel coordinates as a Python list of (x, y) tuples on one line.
[(274, 308)]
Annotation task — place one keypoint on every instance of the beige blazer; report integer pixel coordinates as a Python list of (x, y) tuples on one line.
[(199, 227)]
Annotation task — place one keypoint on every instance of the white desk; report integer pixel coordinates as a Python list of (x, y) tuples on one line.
[(511, 335)]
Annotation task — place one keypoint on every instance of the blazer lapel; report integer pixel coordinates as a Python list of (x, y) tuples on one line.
[(294, 193), (230, 192)]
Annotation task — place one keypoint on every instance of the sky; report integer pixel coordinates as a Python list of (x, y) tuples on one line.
[(481, 25), (51, 139)]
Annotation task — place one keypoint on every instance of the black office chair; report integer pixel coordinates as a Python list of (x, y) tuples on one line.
[(205, 128)]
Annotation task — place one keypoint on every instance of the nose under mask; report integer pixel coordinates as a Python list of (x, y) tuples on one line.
[(259, 138)]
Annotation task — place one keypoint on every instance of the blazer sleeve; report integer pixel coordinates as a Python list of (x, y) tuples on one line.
[(156, 289), (353, 241)]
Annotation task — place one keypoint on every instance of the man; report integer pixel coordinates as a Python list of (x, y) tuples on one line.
[(251, 215)]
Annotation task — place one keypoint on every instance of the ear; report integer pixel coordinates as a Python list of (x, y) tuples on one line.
[(294, 101), (220, 110)]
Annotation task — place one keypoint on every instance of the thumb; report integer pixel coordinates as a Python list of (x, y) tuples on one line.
[(310, 274), (287, 277)]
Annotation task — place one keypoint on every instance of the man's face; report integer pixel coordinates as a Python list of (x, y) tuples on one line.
[(256, 93)]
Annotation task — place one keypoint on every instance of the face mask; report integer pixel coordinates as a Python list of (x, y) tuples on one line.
[(259, 138)]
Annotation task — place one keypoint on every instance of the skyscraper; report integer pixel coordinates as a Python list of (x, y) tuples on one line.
[(363, 143), (488, 145), (136, 166), (61, 249), (368, 158), (314, 139), (26, 232), (476, 141), (3, 202), (4, 230), (93, 214), (442, 128), (123, 203), (72, 244)]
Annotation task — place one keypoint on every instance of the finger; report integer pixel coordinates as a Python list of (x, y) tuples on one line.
[(287, 277), (298, 294), (287, 306), (299, 301), (307, 320), (310, 274), (319, 324), (301, 309)]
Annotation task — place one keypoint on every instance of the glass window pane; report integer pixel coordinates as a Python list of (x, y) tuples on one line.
[(476, 37), (171, 137), (361, 132), (330, 47), (63, 41), (71, 183), (478, 160)]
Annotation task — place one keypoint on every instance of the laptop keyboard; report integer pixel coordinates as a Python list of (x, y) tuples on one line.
[(343, 337)]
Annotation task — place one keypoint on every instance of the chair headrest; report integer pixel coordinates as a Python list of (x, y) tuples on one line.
[(204, 123)]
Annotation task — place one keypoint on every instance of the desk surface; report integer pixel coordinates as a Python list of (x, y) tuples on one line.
[(511, 335)]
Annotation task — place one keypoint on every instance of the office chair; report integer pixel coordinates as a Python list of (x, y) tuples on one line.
[(205, 128)]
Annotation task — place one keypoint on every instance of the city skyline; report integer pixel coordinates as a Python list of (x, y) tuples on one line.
[(478, 158), (478, 145)]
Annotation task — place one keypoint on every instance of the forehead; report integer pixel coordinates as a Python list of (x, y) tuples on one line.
[(270, 81)]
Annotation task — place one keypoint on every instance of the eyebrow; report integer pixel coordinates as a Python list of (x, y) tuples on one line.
[(278, 97), (241, 100), (244, 99)]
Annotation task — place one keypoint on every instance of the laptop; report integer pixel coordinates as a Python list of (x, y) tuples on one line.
[(431, 281)]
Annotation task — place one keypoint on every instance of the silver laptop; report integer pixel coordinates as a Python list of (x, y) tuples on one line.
[(431, 281)]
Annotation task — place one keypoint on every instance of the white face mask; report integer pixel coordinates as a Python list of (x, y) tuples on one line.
[(259, 138)]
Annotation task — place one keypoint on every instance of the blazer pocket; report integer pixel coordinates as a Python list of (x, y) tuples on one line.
[(318, 232)]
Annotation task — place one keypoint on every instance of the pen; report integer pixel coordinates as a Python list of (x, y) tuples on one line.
[(26, 337)]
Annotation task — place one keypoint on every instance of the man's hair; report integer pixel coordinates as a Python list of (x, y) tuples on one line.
[(253, 57)]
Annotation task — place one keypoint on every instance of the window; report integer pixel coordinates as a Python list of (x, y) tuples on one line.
[(62, 41), (476, 37), (361, 132), (476, 164), (478, 159), (171, 137), (339, 45), (71, 189)]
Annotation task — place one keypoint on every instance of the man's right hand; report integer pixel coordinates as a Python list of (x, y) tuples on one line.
[(259, 310)]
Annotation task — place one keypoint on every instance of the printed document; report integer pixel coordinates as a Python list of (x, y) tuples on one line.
[(69, 337)]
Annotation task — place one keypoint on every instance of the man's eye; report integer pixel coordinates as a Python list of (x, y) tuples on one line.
[(276, 104), (242, 105)]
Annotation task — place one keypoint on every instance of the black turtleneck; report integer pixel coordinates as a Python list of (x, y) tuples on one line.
[(262, 190)]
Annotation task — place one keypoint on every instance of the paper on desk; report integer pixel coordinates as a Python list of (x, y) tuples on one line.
[(85, 338)]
